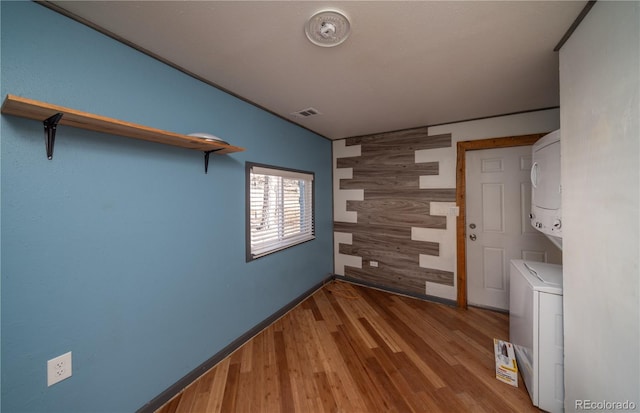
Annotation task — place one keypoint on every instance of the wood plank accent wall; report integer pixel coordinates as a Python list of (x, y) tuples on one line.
[(393, 204)]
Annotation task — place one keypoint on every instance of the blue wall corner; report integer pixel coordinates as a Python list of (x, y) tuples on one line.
[(122, 251)]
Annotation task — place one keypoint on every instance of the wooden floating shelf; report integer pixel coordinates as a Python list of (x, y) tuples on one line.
[(41, 111)]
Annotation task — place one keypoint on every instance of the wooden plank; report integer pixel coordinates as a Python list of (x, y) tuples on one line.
[(186, 401), (340, 381), (353, 355), (395, 206), (417, 138), (257, 373), (398, 182), (426, 330), (36, 110), (355, 329), (231, 389), (214, 404), (434, 195), (271, 392), (296, 365), (403, 253), (203, 391), (171, 406), (328, 313), (286, 392), (383, 158), (412, 281)]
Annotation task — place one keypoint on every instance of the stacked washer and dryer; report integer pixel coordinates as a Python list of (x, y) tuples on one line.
[(535, 296)]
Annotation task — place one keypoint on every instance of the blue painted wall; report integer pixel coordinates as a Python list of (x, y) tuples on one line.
[(122, 251)]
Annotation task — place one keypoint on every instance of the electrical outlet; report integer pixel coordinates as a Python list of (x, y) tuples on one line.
[(58, 369)]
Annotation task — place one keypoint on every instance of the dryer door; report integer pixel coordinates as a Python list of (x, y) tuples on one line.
[(545, 177)]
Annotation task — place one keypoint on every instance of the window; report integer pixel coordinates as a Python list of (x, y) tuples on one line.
[(279, 209)]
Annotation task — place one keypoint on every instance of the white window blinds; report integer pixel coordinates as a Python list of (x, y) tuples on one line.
[(280, 209)]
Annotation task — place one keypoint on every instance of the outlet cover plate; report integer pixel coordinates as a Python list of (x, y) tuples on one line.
[(58, 369)]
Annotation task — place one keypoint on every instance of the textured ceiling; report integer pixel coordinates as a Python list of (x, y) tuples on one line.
[(405, 64)]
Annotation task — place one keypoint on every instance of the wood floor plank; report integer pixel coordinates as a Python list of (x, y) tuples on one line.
[(433, 336), (172, 405), (321, 381), (247, 357), (386, 387), (304, 352), (187, 399), (470, 403), (306, 338), (414, 346), (257, 373), (329, 315), (313, 307), (350, 313), (286, 393), (296, 365), (214, 404), (380, 326), (430, 405), (447, 399), (400, 380), (485, 376), (231, 389), (203, 390), (340, 381), (271, 392), (352, 349)]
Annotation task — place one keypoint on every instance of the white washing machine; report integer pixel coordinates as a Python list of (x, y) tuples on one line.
[(535, 330)]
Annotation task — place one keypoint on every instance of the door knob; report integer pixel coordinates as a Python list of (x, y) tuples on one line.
[(472, 237), (472, 226)]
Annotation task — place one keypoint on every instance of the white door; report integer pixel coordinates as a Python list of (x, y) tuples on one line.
[(498, 190)]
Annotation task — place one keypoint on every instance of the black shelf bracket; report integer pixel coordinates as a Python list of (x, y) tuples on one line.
[(206, 158), (50, 125)]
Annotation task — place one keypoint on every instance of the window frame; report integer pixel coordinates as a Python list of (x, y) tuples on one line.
[(248, 170)]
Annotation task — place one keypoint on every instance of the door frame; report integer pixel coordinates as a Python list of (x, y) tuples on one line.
[(461, 200)]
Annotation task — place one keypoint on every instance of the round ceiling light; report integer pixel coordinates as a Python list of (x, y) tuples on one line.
[(327, 28)]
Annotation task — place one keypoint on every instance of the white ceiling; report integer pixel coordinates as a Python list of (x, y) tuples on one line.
[(405, 64)]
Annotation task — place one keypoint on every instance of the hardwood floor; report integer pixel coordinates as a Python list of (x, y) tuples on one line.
[(349, 348)]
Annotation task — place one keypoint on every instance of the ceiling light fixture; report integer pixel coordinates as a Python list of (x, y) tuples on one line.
[(327, 28)]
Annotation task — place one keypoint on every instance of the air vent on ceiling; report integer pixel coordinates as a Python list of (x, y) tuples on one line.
[(305, 113)]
